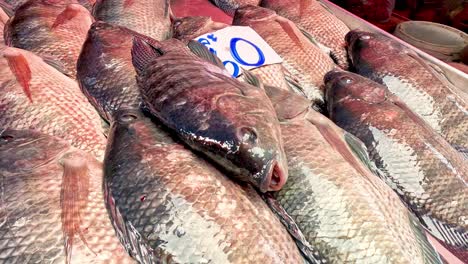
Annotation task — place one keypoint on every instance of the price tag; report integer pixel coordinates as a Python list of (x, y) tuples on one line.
[(239, 48)]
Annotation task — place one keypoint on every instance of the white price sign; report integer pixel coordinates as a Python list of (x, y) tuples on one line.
[(239, 48)]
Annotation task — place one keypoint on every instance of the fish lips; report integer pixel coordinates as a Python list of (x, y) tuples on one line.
[(272, 176)]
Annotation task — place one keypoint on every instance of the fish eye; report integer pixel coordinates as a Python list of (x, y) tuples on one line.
[(346, 80), (247, 135), (365, 37), (127, 118)]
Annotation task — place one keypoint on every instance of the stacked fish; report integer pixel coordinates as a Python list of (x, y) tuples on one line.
[(123, 140)]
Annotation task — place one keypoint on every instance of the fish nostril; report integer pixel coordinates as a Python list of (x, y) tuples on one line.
[(247, 135)]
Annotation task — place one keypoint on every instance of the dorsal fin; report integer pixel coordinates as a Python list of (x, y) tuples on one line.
[(20, 68), (73, 199), (71, 11), (143, 52), (288, 27)]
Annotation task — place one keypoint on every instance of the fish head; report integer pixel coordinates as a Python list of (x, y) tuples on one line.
[(369, 49), (251, 14), (188, 28), (261, 153), (345, 87), (28, 149)]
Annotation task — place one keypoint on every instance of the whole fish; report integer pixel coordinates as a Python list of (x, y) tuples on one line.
[(34, 95), (52, 202), (357, 209), (231, 122), (315, 19), (54, 30), (171, 206), (428, 174), (148, 17), (230, 6), (189, 28), (404, 73), (305, 61), (105, 71)]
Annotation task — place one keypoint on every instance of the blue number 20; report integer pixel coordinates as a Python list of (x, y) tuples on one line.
[(235, 54)]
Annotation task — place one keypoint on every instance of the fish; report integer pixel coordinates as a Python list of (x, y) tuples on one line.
[(405, 74), (53, 208), (13, 5), (301, 58), (232, 123), (230, 6), (315, 19), (54, 30), (105, 71), (171, 206), (189, 28), (147, 17), (3, 20), (422, 168), (34, 95), (357, 209)]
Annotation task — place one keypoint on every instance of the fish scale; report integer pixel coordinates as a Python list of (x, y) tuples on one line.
[(148, 17), (305, 62), (358, 219), (230, 6), (323, 26), (442, 106), (33, 170), (428, 174), (54, 31), (58, 107), (190, 212)]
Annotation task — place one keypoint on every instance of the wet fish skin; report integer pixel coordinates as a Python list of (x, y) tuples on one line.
[(147, 17), (305, 62), (414, 82), (188, 28), (3, 19), (105, 71), (55, 30), (428, 174), (182, 208), (33, 95), (311, 16), (41, 221), (231, 122), (230, 6), (15, 4), (358, 209)]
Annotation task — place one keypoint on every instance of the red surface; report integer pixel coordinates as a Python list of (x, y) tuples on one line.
[(183, 8)]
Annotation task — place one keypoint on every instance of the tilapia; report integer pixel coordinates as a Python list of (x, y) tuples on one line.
[(148, 17), (359, 218), (429, 175), (184, 8), (404, 73), (54, 30), (34, 95), (188, 28), (302, 59), (105, 71), (230, 6), (15, 4), (52, 203), (171, 206), (231, 122), (315, 19)]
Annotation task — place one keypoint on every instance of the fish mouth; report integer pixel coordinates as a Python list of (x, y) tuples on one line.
[(275, 180)]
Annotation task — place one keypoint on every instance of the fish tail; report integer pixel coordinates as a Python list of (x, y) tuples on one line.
[(429, 254), (144, 52), (73, 199)]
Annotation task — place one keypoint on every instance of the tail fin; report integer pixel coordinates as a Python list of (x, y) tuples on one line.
[(73, 199), (144, 52)]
